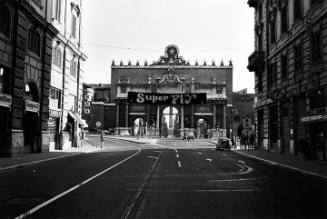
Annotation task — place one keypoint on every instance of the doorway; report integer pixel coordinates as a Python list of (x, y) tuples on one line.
[(170, 122)]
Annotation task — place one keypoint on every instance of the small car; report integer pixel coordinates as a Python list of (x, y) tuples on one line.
[(223, 144)]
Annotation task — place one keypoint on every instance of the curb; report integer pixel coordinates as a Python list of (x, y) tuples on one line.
[(284, 165), (45, 160), (129, 140)]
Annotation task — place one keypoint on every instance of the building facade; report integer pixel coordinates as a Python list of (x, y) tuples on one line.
[(171, 77), (66, 84), (25, 60), (243, 113), (290, 63), (97, 107)]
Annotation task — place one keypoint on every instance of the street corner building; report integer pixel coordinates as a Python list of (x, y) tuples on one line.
[(290, 63), (27, 34), (170, 97)]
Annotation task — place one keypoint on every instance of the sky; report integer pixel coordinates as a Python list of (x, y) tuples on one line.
[(141, 30)]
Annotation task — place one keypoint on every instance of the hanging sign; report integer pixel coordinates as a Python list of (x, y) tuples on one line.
[(5, 100), (169, 99), (32, 106)]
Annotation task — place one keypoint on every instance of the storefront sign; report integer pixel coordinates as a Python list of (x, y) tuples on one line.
[(5, 100), (31, 106), (54, 113), (316, 118), (263, 103), (169, 99)]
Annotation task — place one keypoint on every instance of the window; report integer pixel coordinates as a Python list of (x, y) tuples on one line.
[(318, 99), (5, 20), (260, 12), (284, 20), (57, 10), (297, 9), (316, 47), (298, 57), (56, 57), (123, 89), (315, 2), (74, 23), (259, 81), (272, 74), (73, 68), (55, 96), (34, 41), (284, 66), (272, 31), (4, 80)]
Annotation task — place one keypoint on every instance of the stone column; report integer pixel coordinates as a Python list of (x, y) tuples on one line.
[(192, 116), (224, 116), (214, 116), (126, 115), (158, 122), (117, 113), (182, 117)]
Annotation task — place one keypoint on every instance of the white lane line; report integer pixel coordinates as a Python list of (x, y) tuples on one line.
[(233, 180), (129, 208), (179, 164), (241, 161), (208, 159), (31, 211), (177, 155)]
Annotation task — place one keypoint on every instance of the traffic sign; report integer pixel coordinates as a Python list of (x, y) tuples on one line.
[(98, 124)]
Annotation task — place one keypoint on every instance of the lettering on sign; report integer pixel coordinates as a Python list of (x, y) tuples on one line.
[(315, 118), (54, 113), (5, 100), (173, 99), (31, 106)]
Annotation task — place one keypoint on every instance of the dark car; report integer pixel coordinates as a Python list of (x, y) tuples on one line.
[(223, 144)]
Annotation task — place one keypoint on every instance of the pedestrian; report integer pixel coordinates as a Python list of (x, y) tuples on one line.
[(101, 139)]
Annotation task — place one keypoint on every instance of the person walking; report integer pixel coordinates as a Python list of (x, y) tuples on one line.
[(101, 138)]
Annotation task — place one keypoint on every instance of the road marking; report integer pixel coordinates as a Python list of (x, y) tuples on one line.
[(179, 164), (232, 180), (38, 207), (228, 190), (199, 153), (129, 208), (153, 157), (241, 161), (208, 159), (177, 155), (284, 166)]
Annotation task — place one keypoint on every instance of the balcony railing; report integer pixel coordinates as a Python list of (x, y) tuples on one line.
[(256, 61), (253, 3)]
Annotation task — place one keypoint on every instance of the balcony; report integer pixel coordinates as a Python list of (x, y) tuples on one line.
[(256, 61), (253, 3)]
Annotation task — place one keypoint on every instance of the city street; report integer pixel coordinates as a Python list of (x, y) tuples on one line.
[(169, 179)]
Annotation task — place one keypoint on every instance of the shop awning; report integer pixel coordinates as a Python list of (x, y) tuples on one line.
[(78, 119)]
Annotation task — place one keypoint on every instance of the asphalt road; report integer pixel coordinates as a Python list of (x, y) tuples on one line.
[(173, 179)]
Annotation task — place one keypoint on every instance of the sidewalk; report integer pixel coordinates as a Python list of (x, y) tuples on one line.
[(310, 167), (29, 158)]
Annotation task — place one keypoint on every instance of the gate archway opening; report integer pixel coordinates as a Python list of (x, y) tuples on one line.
[(202, 127), (170, 122)]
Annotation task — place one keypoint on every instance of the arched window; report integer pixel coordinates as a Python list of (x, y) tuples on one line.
[(73, 68), (5, 20), (34, 41), (56, 56)]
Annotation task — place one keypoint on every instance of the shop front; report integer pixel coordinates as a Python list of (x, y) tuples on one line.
[(316, 127), (5, 107)]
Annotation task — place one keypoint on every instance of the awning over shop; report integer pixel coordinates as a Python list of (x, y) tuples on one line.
[(78, 119)]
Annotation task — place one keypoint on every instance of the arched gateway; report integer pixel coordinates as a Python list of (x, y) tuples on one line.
[(170, 95)]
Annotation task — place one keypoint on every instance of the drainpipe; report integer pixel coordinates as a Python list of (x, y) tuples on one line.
[(12, 78), (39, 140)]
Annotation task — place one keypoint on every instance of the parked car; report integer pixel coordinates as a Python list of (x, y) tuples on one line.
[(223, 144)]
